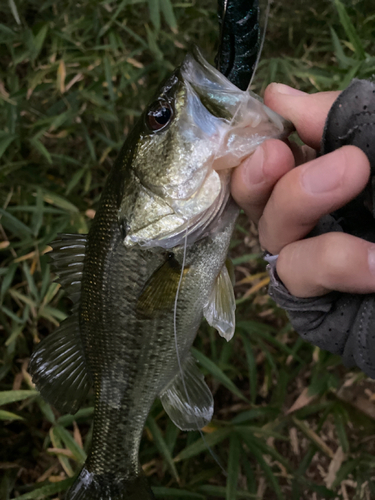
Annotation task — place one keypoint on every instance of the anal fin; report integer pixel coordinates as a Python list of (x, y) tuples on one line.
[(220, 309), (58, 367), (188, 401)]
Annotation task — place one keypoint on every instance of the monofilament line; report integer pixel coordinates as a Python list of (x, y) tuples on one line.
[(214, 456), (261, 43), (185, 244)]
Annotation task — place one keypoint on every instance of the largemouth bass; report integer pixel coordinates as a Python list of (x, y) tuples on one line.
[(164, 222)]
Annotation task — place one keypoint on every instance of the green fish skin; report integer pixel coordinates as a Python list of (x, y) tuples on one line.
[(163, 196)]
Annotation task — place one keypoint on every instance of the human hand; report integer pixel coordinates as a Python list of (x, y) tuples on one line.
[(287, 202)]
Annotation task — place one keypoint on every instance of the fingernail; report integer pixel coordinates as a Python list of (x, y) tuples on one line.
[(255, 167), (285, 89), (371, 259), (321, 177)]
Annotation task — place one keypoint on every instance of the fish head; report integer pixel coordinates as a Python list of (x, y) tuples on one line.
[(197, 127)]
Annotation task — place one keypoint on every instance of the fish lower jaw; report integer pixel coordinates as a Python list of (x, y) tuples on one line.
[(190, 222)]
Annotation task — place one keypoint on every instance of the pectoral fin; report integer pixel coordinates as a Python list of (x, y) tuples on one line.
[(220, 309), (58, 367), (188, 400), (160, 291)]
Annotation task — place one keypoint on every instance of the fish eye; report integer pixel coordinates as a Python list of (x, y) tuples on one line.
[(159, 116)]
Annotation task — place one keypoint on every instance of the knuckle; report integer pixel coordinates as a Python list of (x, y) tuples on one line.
[(334, 258), (353, 155), (265, 236), (262, 232), (288, 261)]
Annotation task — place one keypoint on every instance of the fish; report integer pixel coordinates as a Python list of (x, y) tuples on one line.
[(152, 265)]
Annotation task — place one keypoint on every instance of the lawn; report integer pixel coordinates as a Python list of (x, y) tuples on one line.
[(290, 422)]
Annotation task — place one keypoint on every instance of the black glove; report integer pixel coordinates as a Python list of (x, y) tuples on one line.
[(338, 322)]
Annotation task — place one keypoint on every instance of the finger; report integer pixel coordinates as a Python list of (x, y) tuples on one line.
[(254, 179), (310, 191), (331, 261), (307, 112)]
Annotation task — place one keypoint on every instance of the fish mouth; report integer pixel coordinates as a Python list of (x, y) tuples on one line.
[(219, 126), (246, 122)]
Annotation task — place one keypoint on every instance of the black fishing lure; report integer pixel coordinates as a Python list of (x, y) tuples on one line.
[(239, 40)]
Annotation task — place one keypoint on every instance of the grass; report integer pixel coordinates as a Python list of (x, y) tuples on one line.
[(290, 421)]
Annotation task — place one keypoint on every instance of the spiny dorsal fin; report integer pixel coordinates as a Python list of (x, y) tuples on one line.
[(220, 309), (58, 367), (67, 262), (193, 410)]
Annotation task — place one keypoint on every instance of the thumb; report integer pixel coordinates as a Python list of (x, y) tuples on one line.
[(307, 112)]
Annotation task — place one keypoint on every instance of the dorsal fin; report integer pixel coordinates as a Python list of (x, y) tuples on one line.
[(58, 365), (67, 262)]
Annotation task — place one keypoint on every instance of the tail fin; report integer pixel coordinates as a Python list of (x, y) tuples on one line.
[(89, 486)]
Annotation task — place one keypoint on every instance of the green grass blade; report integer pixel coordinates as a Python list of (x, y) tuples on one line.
[(343, 60), (41, 148), (59, 201), (201, 444), (14, 225), (7, 415), (273, 482), (350, 30), (162, 492), (233, 467), (340, 428), (14, 11), (83, 413), (217, 373), (220, 492), (30, 281), (7, 279), (167, 9), (162, 446), (5, 142), (47, 490), (7, 397), (78, 453), (154, 10), (252, 367)]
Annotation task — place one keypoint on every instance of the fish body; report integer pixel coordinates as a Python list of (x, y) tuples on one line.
[(127, 328), (162, 229)]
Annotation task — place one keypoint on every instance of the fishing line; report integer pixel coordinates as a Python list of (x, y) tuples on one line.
[(261, 43), (213, 454)]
